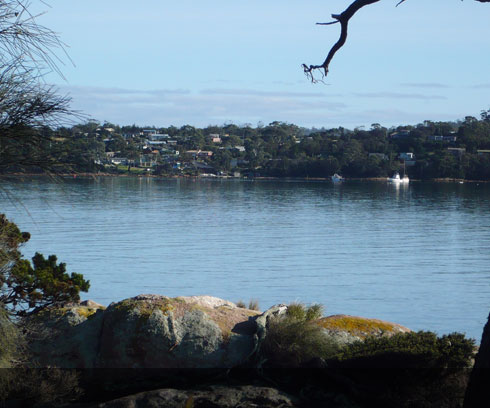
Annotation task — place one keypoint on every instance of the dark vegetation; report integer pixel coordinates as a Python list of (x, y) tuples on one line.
[(26, 289), (417, 369)]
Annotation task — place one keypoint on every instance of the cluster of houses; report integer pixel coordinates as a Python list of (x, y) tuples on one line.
[(156, 148), (159, 148)]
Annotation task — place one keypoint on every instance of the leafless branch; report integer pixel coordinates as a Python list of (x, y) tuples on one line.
[(343, 19)]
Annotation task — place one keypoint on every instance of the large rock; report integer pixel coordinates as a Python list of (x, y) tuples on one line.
[(150, 331), (66, 336), (146, 331), (477, 393), (215, 396)]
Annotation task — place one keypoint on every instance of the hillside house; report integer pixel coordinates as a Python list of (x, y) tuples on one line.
[(215, 138), (158, 137), (406, 156), (400, 134), (380, 156), (202, 154), (457, 151)]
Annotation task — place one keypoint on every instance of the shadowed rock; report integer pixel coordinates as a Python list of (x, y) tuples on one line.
[(215, 396), (477, 393)]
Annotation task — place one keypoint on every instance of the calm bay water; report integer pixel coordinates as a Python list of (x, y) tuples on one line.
[(416, 255)]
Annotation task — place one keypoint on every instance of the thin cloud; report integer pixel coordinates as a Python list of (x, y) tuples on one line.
[(254, 92), (398, 95), (121, 91), (165, 107), (427, 85), (481, 86)]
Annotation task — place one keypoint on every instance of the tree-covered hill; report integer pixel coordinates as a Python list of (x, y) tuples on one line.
[(459, 149)]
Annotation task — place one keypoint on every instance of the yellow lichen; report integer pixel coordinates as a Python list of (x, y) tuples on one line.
[(86, 312), (358, 326), (145, 307)]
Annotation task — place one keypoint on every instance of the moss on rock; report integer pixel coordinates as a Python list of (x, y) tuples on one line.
[(360, 326)]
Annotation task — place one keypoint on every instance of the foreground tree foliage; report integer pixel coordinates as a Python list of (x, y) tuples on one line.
[(26, 288), (343, 19), (27, 104)]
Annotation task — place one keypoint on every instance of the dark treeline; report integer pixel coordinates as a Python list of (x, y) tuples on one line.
[(459, 149)]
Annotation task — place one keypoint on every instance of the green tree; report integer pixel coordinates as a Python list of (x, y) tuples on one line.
[(26, 288)]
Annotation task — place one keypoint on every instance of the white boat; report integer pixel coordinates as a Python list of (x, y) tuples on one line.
[(336, 178), (399, 180)]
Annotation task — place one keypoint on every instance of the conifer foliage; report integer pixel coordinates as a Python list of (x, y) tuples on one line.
[(26, 288)]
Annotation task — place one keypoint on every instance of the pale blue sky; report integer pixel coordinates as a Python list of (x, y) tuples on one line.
[(161, 62)]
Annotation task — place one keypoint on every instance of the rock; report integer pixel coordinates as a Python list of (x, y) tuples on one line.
[(347, 329), (91, 304), (150, 331), (477, 393), (215, 396), (66, 336), (261, 322)]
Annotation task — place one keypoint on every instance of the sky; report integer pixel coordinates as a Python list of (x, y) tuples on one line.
[(211, 62)]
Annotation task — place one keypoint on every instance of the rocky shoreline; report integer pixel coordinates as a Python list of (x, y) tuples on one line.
[(202, 351), (152, 331)]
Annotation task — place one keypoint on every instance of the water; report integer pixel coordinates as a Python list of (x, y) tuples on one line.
[(416, 255)]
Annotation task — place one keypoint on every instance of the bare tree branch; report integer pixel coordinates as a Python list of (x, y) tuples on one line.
[(343, 19)]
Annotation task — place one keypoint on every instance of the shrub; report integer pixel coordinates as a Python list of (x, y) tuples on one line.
[(241, 304), (409, 369), (294, 338), (10, 341), (253, 304), (416, 349), (39, 386), (299, 311)]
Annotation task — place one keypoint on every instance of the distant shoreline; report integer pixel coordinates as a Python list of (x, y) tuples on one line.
[(316, 179)]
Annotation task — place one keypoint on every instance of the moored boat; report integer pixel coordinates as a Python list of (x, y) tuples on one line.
[(337, 178), (399, 180)]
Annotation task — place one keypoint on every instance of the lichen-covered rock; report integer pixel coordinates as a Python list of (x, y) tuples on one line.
[(66, 336), (150, 331), (215, 396), (347, 329)]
